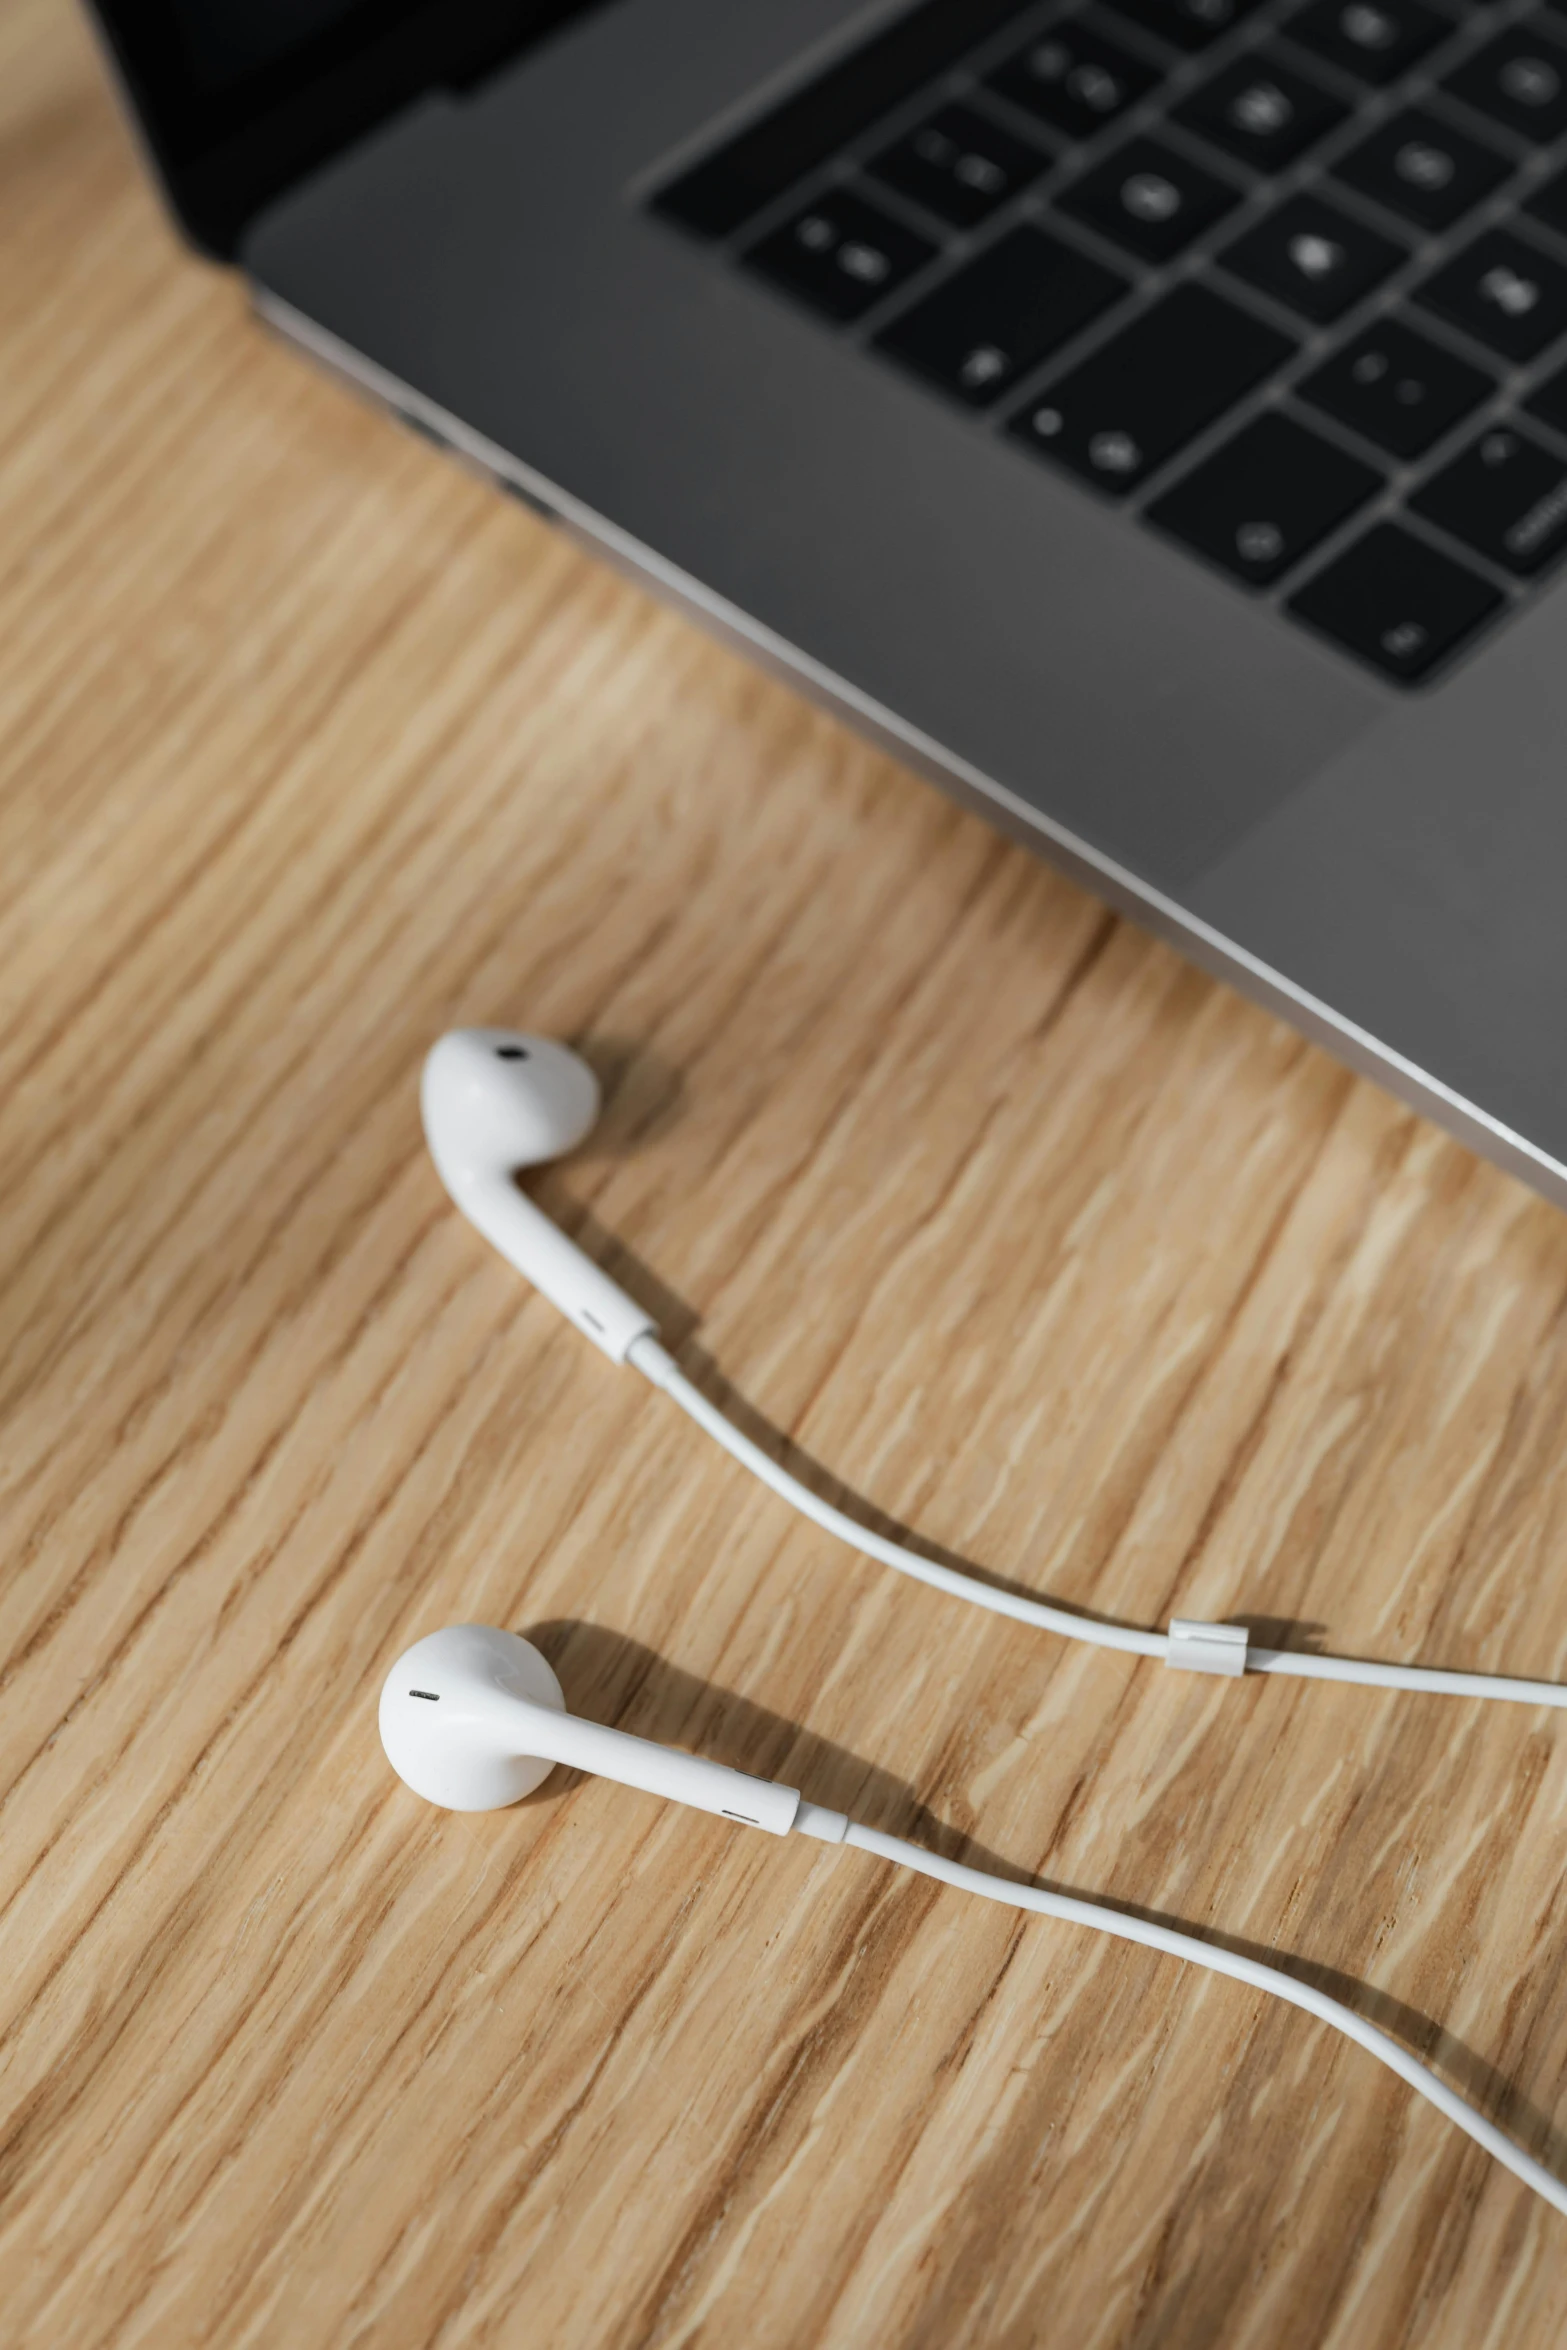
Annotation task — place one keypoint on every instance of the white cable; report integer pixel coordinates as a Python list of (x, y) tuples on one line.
[(832, 1828), (1306, 1665), (1201, 1648), (658, 1366)]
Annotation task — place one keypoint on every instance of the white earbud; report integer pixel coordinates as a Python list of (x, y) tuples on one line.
[(494, 1101), (472, 1719)]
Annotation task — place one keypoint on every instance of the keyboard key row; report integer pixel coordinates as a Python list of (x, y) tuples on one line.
[(1267, 497), (1029, 294), (1261, 112), (1264, 500), (763, 161), (844, 255), (1077, 79), (1260, 109), (1275, 490)]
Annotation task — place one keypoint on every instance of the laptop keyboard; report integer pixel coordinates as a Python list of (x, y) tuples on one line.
[(1288, 281)]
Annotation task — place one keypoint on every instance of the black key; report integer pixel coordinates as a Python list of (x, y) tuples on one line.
[(1549, 402), (1186, 24), (840, 255), (1265, 499), (1396, 602), (1519, 79), (1399, 390), (1549, 203), (1375, 40), (1074, 79), (1149, 199), (1152, 389), (1506, 497), (1420, 168), (1262, 111), (1313, 257), (722, 193), (1021, 300), (1503, 292), (958, 165)]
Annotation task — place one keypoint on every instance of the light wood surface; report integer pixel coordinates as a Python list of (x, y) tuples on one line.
[(1029, 1238)]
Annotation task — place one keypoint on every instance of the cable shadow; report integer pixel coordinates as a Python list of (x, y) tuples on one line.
[(613, 1679), (701, 1368), (678, 1323), (1280, 1631), (676, 1320)]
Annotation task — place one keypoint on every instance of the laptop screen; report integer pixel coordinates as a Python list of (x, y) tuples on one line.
[(238, 98)]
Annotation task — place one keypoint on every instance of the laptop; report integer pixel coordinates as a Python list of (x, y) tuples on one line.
[(1146, 417)]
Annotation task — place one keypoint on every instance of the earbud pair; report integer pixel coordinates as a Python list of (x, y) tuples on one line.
[(473, 1718)]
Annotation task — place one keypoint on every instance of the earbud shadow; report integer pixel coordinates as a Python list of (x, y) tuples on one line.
[(643, 1094), (610, 1678), (552, 1190)]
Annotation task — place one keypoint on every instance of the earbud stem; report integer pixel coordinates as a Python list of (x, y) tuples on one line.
[(557, 1268), (637, 1762)]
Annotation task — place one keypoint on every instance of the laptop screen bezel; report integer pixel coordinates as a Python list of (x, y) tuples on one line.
[(224, 151)]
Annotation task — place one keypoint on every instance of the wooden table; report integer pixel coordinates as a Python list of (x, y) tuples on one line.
[(1032, 1240)]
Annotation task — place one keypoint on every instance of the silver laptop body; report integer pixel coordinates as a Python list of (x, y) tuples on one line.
[(950, 361)]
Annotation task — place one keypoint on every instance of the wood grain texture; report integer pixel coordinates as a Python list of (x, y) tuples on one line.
[(1029, 1238)]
